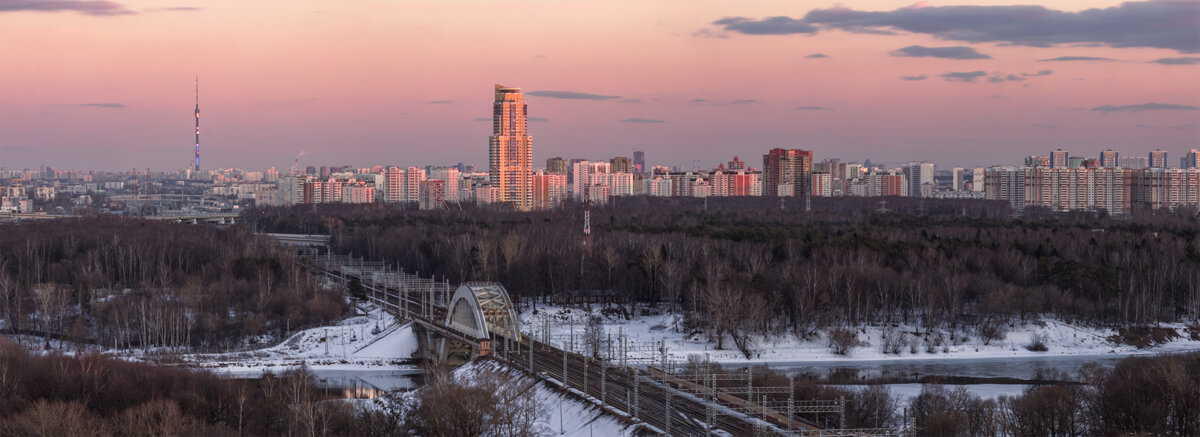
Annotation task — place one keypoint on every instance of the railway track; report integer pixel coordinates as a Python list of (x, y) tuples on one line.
[(662, 400)]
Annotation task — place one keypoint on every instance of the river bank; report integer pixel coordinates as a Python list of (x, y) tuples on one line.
[(646, 333)]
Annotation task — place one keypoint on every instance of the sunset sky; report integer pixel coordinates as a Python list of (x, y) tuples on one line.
[(109, 85)]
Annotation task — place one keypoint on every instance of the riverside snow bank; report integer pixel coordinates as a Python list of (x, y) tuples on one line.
[(376, 341), (644, 333), (562, 412)]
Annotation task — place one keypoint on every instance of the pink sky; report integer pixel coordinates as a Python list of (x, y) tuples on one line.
[(350, 82)]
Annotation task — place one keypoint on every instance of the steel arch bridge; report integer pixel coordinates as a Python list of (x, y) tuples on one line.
[(478, 310)]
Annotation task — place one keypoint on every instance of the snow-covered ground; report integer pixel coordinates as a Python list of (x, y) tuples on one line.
[(564, 413), (375, 341), (644, 333)]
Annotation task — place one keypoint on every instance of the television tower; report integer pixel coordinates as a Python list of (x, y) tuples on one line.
[(196, 165)]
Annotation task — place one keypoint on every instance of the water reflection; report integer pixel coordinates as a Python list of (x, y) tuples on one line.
[(356, 384), (1016, 367)]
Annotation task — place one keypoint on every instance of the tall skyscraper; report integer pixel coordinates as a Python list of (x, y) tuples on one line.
[(1158, 158), (510, 149), (1109, 158), (196, 165), (639, 161), (787, 166)]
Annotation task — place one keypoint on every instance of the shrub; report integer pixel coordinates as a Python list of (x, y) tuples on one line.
[(1037, 342), (893, 342), (991, 330), (842, 341), (933, 343)]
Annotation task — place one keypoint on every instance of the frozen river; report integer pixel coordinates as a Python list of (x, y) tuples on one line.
[(1015, 367)]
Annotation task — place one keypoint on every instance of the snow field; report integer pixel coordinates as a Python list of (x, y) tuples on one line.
[(647, 332)]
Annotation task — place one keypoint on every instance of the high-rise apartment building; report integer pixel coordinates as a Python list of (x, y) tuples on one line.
[(621, 164), (639, 161), (449, 177), (393, 191), (787, 166), (413, 177), (977, 180), (549, 189), (587, 174), (1109, 158), (736, 164), (956, 179), (1134, 162), (1059, 158), (1158, 158), (1112, 190), (821, 184), (510, 149), (1192, 159), (557, 165), (920, 178)]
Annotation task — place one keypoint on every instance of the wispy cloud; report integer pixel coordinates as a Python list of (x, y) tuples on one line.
[(1077, 58), (106, 105), (812, 108), (641, 120), (709, 33), (86, 7), (570, 95), (632, 101), (817, 55), (994, 77), (1177, 61), (766, 26), (1152, 106), (174, 9), (440, 102), (963, 76), (743, 102), (957, 52), (917, 77), (1166, 24)]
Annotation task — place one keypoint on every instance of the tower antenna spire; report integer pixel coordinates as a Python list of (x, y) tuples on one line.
[(196, 164)]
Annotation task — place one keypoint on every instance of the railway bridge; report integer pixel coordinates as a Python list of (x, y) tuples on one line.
[(473, 320)]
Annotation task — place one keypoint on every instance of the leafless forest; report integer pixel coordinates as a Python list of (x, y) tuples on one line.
[(744, 266), (53, 394), (91, 395), (132, 283)]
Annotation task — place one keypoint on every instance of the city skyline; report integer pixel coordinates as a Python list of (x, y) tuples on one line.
[(705, 83)]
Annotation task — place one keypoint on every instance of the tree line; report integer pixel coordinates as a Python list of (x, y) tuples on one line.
[(739, 267), (54, 394), (127, 283)]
